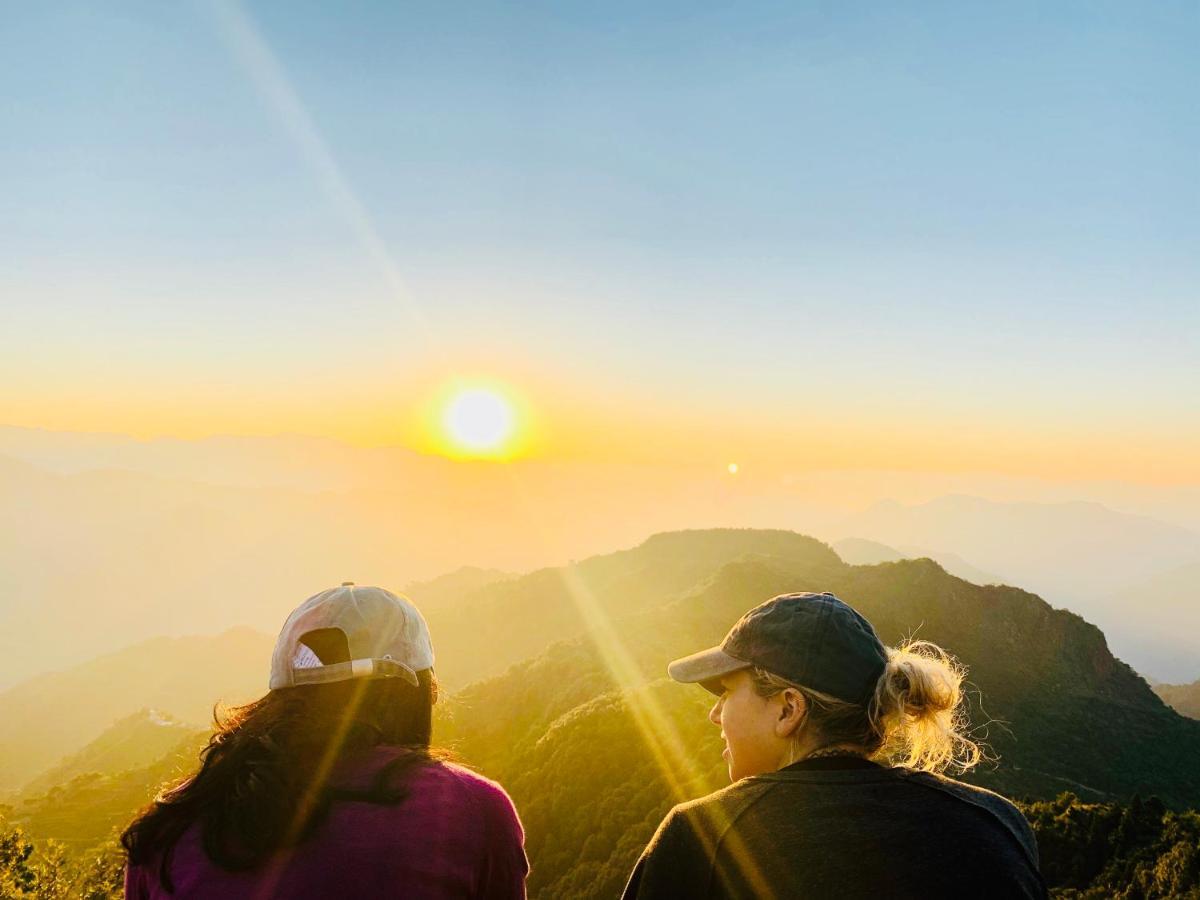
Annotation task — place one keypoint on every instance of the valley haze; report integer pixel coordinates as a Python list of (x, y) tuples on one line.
[(109, 540)]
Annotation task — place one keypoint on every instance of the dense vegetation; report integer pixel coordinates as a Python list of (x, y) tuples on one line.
[(595, 745), (47, 871), (1138, 850), (1134, 851)]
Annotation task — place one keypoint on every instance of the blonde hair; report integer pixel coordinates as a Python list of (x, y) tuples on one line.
[(916, 717)]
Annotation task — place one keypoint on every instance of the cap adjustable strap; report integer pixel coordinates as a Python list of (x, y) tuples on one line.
[(355, 668)]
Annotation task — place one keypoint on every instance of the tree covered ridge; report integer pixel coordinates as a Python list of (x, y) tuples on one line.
[(595, 745), (1133, 851), (1137, 851)]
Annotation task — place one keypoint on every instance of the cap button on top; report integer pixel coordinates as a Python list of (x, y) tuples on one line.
[(347, 584)]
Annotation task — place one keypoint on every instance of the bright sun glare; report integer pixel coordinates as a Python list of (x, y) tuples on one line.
[(478, 420)]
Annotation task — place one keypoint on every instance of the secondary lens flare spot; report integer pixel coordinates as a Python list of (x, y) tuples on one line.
[(478, 420)]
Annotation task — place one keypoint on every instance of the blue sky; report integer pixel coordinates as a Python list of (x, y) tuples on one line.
[(951, 207)]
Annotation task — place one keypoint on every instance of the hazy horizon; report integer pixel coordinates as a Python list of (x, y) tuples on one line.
[(130, 539)]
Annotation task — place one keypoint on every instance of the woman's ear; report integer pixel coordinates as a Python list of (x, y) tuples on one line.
[(793, 710)]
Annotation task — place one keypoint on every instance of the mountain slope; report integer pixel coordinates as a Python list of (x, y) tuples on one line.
[(48, 717), (1183, 698), (861, 552), (595, 745), (503, 623), (133, 742), (452, 587), (480, 626), (85, 810), (592, 724), (1050, 687), (1074, 554)]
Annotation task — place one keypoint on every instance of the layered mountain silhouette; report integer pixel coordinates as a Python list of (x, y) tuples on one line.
[(1043, 678), (1165, 622), (861, 552), (52, 716), (134, 742), (559, 691), (1124, 572), (86, 810), (108, 540)]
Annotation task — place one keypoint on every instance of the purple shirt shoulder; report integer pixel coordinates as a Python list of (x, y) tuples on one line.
[(456, 835)]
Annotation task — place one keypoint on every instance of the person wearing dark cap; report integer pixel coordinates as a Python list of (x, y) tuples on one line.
[(327, 786), (835, 746)]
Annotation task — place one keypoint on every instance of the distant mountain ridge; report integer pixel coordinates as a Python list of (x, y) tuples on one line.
[(128, 539), (1165, 625), (480, 626), (1183, 698), (1075, 554), (589, 722), (506, 622), (1046, 673), (1045, 695), (53, 715), (133, 742), (87, 810), (861, 552)]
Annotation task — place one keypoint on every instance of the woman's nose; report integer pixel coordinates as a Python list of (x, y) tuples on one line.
[(714, 714)]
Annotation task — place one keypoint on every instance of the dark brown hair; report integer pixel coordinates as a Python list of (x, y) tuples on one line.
[(263, 782)]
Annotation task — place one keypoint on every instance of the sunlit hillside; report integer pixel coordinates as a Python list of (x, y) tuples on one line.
[(546, 668)]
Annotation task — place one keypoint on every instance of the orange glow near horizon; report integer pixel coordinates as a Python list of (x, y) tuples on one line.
[(567, 421)]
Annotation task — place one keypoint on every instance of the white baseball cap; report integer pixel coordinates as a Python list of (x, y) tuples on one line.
[(351, 632)]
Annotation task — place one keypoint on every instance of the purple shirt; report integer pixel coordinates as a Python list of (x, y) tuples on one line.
[(456, 834)]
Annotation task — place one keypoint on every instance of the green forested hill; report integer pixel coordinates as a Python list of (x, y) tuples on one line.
[(51, 716), (482, 622), (1063, 713), (133, 742), (89, 808), (595, 744), (1099, 851), (503, 623)]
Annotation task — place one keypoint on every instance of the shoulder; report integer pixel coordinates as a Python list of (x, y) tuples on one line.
[(680, 859), (1001, 810), (995, 803), (470, 782), (712, 815), (492, 801), (442, 782)]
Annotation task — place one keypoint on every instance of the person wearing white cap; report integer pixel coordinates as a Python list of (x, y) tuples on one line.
[(327, 786)]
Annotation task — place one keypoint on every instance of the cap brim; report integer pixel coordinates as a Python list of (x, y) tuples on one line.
[(705, 668)]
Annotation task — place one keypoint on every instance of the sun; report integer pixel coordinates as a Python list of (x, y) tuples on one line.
[(479, 421)]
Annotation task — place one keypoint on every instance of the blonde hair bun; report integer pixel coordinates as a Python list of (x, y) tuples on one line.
[(918, 710)]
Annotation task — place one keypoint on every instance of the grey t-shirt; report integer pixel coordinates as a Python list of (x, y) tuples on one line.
[(844, 829)]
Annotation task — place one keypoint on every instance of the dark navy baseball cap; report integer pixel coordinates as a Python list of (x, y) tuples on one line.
[(813, 640)]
